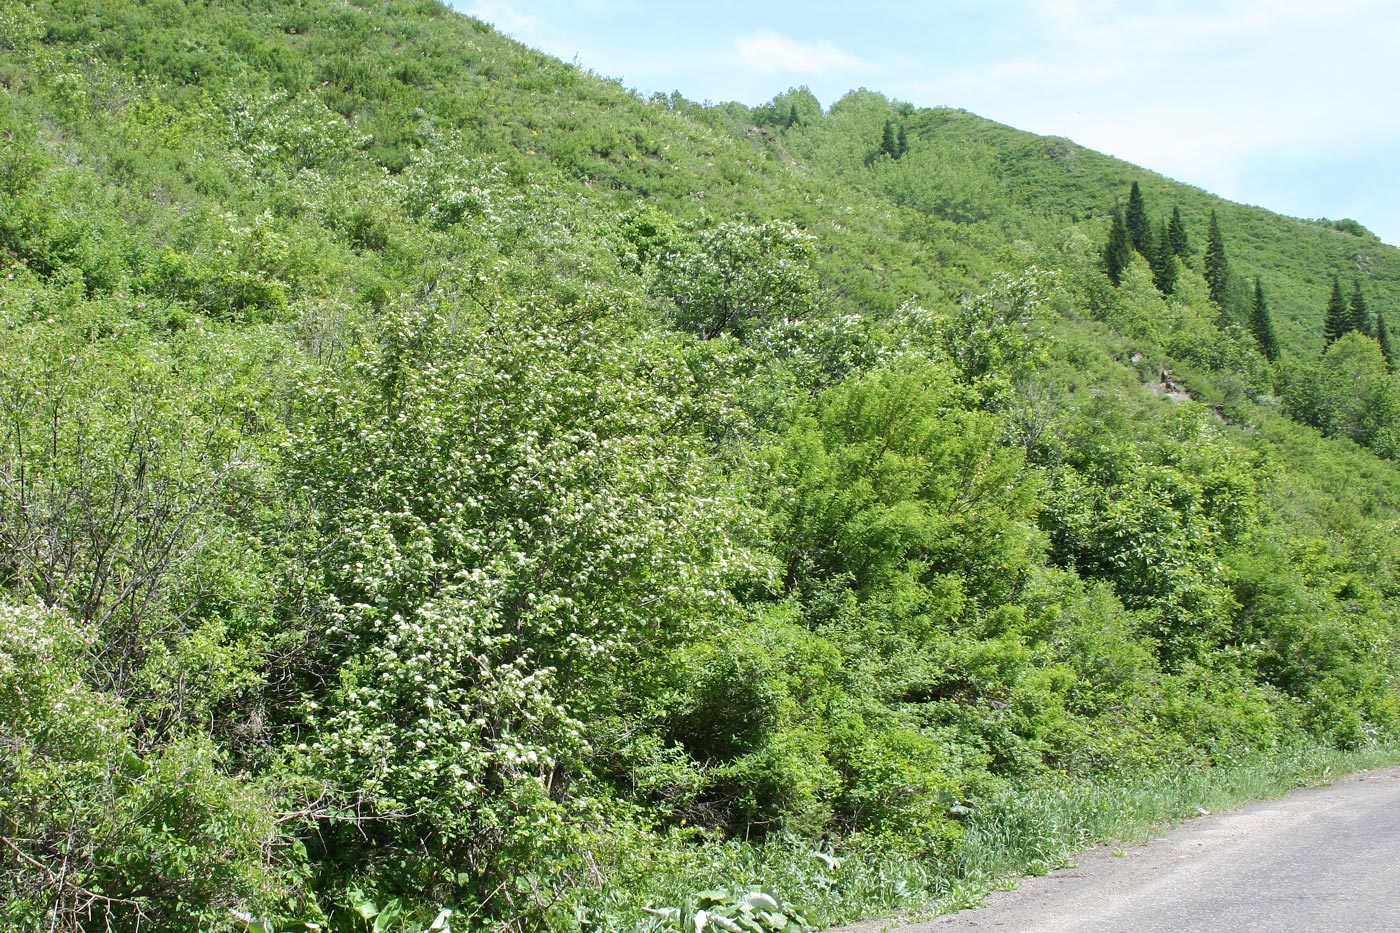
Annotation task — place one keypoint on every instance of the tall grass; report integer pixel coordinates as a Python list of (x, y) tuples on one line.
[(1032, 829), (1018, 829)]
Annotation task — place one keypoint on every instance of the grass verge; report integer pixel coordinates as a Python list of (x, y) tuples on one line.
[(1032, 829), (1017, 830)]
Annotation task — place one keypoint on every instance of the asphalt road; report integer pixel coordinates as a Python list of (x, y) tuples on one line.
[(1322, 860)]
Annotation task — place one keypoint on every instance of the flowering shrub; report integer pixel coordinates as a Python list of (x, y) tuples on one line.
[(515, 532)]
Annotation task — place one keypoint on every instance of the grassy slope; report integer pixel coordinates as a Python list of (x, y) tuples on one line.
[(968, 192), (1008, 185)]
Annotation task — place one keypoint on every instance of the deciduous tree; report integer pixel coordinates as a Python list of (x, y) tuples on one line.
[(1348, 393), (738, 278)]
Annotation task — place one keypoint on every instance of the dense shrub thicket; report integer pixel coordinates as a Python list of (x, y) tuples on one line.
[(433, 478)]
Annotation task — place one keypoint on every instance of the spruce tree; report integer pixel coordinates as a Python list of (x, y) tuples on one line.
[(792, 118), (1262, 323), (1360, 317), (1164, 262), (1337, 320), (1217, 268), (889, 145), (1139, 227), (1118, 251), (1383, 338), (901, 142), (1176, 232)]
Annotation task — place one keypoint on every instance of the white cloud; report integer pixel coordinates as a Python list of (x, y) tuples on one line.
[(769, 52)]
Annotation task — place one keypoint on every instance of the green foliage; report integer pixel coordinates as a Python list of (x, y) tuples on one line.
[(738, 278), (647, 234), (888, 485), (793, 108), (1349, 226), (1177, 235), (433, 478), (995, 340), (1383, 338), (1118, 250), (1164, 262), (126, 462), (1349, 392), (1217, 267), (1139, 227), (751, 912), (97, 828), (889, 145), (1337, 322), (1155, 523), (1262, 324), (762, 764), (1305, 645), (1361, 320), (509, 523), (894, 140)]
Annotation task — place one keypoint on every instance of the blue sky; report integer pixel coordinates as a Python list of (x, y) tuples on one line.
[(1289, 104)]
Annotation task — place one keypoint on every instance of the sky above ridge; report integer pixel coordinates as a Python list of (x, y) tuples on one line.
[(1288, 104)]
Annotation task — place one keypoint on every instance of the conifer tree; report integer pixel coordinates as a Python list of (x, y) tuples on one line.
[(792, 118), (1139, 228), (889, 145), (1262, 323), (1360, 317), (901, 142), (1383, 338), (1164, 262), (1337, 321), (1217, 268), (1176, 232), (1118, 251)]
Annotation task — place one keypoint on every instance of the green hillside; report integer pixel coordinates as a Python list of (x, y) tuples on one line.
[(1017, 185), (433, 478)]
